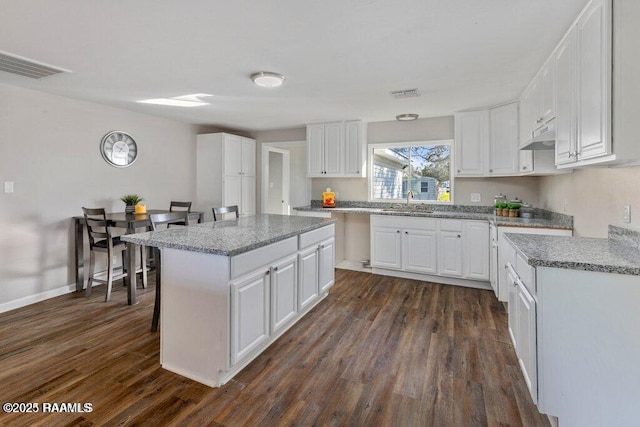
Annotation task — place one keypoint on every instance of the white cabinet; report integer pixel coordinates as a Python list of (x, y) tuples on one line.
[(404, 243), (566, 99), (504, 153), (355, 155), (419, 251), (450, 253), (476, 252), (326, 264), (284, 292), (249, 314), (471, 140), (225, 172), (309, 277), (486, 142), (336, 149)]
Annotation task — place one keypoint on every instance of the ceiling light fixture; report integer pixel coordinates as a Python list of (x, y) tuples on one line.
[(267, 79), (179, 101), (406, 117)]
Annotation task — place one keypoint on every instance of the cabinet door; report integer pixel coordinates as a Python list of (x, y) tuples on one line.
[(565, 100), (547, 91), (309, 277), (249, 314), (512, 297), (284, 292), (471, 139), (594, 82), (326, 264), (385, 247), (503, 147), (248, 157), (315, 150), (476, 250), (353, 147), (248, 204), (450, 253), (232, 154), (419, 251), (333, 148), (232, 190), (526, 339)]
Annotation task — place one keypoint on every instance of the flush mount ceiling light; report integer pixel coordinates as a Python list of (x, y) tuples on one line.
[(192, 100), (406, 117), (267, 79)]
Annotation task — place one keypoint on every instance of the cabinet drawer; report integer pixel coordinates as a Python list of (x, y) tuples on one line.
[(526, 273), (316, 236), (250, 261), (450, 225), (402, 222)]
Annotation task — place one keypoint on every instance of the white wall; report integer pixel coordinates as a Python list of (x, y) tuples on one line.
[(595, 197), (49, 146)]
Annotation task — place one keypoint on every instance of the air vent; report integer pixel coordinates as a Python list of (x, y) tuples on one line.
[(15, 64), (406, 93)]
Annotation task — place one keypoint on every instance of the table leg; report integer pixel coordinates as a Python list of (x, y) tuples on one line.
[(79, 254), (131, 269)]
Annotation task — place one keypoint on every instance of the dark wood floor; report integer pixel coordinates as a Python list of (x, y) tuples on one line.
[(378, 351)]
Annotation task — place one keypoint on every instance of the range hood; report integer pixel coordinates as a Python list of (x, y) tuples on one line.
[(544, 138)]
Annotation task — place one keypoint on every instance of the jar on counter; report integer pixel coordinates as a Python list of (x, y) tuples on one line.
[(526, 210), (500, 204)]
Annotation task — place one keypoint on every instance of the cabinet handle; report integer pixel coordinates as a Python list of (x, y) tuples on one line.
[(321, 246), (397, 231), (459, 235), (458, 170), (524, 167), (267, 272), (490, 170), (275, 268), (406, 232)]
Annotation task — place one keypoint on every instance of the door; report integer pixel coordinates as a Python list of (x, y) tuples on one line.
[(386, 244), (547, 81), (326, 264), (450, 253), (565, 100), (284, 292), (333, 148), (526, 338), (250, 314), (309, 277), (493, 259), (315, 150), (248, 203), (248, 157), (471, 138), (512, 291), (419, 251), (503, 147), (353, 141), (476, 250), (232, 154), (232, 190)]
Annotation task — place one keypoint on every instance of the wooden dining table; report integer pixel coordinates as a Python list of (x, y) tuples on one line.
[(130, 222)]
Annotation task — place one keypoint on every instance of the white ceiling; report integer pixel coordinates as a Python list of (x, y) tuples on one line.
[(341, 58)]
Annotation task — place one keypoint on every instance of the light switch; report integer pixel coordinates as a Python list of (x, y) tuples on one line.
[(626, 214), (8, 186)]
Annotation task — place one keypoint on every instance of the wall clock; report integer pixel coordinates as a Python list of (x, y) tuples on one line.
[(119, 149)]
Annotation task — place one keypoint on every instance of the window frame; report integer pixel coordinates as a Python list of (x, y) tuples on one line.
[(371, 147)]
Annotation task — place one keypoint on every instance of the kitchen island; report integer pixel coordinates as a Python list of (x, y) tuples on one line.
[(231, 288)]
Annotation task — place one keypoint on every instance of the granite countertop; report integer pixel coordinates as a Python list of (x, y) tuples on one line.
[(607, 255), (483, 213), (230, 237)]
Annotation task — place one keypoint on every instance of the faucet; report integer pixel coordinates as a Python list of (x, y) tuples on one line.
[(409, 196)]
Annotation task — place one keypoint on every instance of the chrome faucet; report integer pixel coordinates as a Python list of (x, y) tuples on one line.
[(409, 196)]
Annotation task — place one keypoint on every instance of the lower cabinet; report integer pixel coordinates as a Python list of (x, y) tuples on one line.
[(326, 263), (249, 313), (308, 272), (435, 246), (284, 292)]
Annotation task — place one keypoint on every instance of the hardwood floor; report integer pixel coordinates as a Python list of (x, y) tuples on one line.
[(377, 351)]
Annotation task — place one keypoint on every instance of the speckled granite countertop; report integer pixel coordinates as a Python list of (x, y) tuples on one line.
[(543, 219), (619, 253), (231, 237)]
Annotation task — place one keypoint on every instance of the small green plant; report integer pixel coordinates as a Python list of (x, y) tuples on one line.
[(131, 199), (513, 205), (501, 205)]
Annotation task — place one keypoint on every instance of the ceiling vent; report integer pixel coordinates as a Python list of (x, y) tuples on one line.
[(405, 93), (15, 64)]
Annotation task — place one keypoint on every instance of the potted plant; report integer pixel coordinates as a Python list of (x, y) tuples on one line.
[(500, 209), (513, 209), (131, 200)]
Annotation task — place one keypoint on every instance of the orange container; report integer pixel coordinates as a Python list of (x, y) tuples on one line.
[(328, 199)]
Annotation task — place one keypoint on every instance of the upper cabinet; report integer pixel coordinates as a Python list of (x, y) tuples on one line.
[(596, 88), (538, 99), (486, 142), (336, 149)]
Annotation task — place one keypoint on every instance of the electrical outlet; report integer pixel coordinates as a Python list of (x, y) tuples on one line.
[(8, 186), (626, 214), (475, 197)]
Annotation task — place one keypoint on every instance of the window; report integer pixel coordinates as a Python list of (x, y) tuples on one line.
[(423, 168)]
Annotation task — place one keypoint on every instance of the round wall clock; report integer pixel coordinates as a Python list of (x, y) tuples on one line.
[(119, 149)]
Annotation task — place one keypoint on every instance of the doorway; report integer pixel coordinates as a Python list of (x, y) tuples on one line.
[(284, 177)]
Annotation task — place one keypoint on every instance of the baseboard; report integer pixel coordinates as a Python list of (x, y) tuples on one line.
[(32, 299), (353, 265), (433, 278)]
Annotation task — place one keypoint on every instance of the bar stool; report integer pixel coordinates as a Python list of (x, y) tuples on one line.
[(219, 212)]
